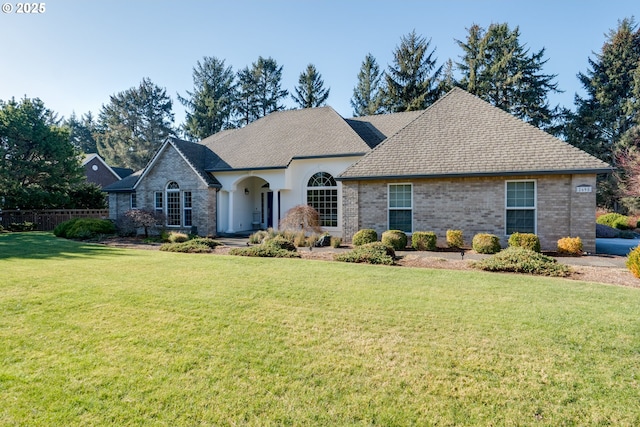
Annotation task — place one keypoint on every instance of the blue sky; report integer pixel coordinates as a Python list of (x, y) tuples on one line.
[(78, 53)]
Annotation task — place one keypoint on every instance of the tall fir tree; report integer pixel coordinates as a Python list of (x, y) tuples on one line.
[(82, 130), (606, 119), (134, 124), (411, 81), (260, 90), (39, 166), (210, 106), (367, 96), (310, 92), (499, 69)]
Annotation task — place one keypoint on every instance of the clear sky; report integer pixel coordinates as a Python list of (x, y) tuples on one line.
[(78, 53)]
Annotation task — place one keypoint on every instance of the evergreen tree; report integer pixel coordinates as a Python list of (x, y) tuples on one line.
[(82, 132), (260, 90), (606, 119), (134, 125), (310, 92), (500, 70), (38, 164), (210, 106), (367, 97), (411, 82)]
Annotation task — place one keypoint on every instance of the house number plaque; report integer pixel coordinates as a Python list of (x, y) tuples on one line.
[(584, 189)]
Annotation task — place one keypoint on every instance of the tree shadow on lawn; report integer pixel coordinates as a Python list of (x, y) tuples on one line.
[(42, 245)]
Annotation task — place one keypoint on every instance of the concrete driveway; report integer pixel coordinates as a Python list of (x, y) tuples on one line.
[(615, 246)]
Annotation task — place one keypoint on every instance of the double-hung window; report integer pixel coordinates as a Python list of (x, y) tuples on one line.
[(134, 201), (401, 207), (521, 207)]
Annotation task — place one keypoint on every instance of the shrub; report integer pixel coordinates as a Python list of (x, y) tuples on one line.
[(525, 240), (300, 239), (454, 239), (144, 218), (177, 237), (520, 260), (301, 217), (424, 241), (485, 243), (615, 220), (257, 237), (570, 246), (22, 226), (84, 228), (193, 246), (395, 238), (265, 251), (280, 242), (364, 236), (633, 262), (369, 253), (336, 242)]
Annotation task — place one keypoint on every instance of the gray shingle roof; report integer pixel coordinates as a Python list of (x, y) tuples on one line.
[(462, 135), (274, 140), (124, 185), (375, 129)]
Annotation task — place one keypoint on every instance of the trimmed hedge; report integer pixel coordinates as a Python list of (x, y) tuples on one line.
[(454, 238), (615, 220), (485, 243), (364, 236), (369, 253), (633, 262), (525, 240), (396, 239), (570, 246), (521, 260), (84, 228), (424, 241)]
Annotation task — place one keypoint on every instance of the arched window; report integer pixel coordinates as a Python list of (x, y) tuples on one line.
[(322, 195), (173, 204)]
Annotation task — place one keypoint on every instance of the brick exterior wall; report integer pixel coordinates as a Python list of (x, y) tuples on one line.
[(477, 205), (171, 166)]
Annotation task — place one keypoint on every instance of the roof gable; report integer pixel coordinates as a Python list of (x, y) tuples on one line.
[(462, 135)]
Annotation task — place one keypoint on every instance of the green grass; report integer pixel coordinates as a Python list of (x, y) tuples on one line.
[(91, 335)]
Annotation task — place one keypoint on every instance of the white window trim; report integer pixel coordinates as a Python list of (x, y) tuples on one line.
[(177, 191), (389, 208), (534, 208), (133, 197), (185, 208)]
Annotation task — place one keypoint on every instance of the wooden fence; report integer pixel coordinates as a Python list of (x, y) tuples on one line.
[(47, 220)]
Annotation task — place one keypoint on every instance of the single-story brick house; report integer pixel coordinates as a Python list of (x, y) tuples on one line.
[(461, 163)]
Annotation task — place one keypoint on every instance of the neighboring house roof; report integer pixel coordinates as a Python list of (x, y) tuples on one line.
[(274, 140), (462, 135)]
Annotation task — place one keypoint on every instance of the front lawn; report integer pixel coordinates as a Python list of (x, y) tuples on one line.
[(93, 335)]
